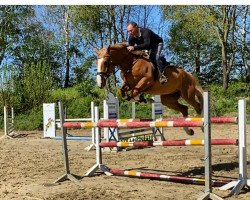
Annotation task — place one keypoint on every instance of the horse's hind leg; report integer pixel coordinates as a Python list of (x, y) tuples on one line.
[(189, 95), (171, 101), (196, 105)]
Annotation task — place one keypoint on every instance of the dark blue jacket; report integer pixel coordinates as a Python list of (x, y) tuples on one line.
[(148, 40)]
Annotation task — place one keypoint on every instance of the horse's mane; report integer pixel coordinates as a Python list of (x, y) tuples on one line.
[(136, 53), (119, 45), (124, 44)]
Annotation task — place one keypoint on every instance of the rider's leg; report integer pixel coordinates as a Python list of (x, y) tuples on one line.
[(155, 57), (160, 65), (163, 79)]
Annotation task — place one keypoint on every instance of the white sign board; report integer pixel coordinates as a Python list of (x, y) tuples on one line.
[(112, 106), (111, 110), (158, 109), (49, 118)]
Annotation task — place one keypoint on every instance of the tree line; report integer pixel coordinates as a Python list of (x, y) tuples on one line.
[(45, 48)]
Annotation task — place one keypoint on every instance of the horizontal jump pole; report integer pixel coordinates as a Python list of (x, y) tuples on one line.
[(216, 120), (140, 124), (196, 142), (119, 172), (127, 144), (76, 120), (86, 138), (169, 143)]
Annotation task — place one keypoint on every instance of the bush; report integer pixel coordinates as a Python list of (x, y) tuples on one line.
[(79, 108), (29, 121), (64, 95), (78, 104), (226, 103)]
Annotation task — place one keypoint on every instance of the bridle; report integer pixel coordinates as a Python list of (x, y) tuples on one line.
[(107, 64)]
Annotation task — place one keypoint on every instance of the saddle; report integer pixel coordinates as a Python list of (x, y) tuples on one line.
[(162, 61), (143, 54)]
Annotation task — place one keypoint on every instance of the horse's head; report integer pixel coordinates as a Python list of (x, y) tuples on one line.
[(104, 68), (107, 59)]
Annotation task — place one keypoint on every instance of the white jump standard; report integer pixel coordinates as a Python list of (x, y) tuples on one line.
[(243, 181)]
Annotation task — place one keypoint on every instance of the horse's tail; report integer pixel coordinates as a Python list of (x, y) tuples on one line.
[(199, 92)]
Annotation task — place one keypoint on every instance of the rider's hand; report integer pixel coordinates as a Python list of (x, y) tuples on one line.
[(130, 48)]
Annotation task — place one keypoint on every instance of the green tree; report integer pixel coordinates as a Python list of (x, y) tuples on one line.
[(102, 25), (197, 32), (6, 85), (12, 22), (223, 20), (83, 72), (71, 44), (25, 40), (191, 39), (245, 42), (35, 86)]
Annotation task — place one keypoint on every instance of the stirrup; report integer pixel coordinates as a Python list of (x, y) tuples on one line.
[(163, 79)]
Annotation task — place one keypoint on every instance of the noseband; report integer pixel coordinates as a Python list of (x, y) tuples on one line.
[(103, 74)]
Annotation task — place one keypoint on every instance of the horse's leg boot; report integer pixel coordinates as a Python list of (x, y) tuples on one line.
[(142, 99)]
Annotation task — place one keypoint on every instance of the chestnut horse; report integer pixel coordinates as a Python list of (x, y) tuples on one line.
[(138, 76)]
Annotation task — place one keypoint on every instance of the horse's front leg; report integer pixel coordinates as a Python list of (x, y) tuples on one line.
[(123, 92), (124, 89), (141, 86)]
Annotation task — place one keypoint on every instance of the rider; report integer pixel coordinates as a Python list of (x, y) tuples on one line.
[(146, 39)]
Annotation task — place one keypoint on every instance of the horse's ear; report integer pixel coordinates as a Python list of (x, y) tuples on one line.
[(108, 49), (96, 50)]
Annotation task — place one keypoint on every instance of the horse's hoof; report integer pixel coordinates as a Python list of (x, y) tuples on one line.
[(190, 132), (128, 98), (142, 99), (150, 100)]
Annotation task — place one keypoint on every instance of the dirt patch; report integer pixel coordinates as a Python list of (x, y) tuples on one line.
[(29, 164)]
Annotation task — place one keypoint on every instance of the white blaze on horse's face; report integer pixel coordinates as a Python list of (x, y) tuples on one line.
[(98, 77)]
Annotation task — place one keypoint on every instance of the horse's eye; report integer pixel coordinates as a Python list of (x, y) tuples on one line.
[(105, 63)]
